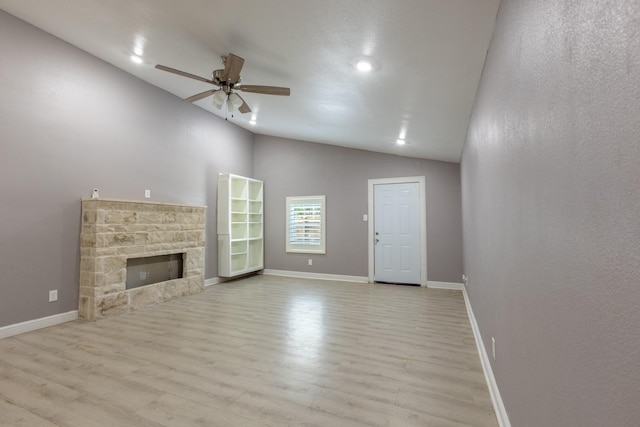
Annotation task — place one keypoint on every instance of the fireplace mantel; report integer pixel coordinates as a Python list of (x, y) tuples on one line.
[(116, 230)]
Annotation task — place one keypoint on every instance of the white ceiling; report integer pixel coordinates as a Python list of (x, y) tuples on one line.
[(429, 56)]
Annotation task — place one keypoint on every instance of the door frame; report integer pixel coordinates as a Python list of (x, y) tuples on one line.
[(423, 222)]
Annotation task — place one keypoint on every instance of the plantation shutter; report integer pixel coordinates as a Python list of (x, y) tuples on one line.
[(305, 224)]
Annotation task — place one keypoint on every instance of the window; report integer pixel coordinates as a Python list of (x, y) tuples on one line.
[(306, 224)]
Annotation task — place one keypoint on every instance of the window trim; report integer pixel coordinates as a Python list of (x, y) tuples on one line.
[(300, 248)]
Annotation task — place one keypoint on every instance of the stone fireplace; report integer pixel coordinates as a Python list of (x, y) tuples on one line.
[(114, 231)]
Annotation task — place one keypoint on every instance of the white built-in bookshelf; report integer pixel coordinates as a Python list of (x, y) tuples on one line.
[(240, 225)]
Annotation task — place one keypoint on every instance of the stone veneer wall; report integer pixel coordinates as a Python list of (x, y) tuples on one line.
[(115, 230)]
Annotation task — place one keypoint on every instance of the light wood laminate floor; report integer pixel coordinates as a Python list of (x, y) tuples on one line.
[(261, 351)]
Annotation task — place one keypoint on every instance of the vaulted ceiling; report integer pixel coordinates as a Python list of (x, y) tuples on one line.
[(427, 60)]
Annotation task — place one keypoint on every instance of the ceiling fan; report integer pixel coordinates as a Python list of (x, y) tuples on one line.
[(228, 81)]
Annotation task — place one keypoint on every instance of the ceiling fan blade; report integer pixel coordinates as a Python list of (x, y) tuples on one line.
[(244, 108), (267, 90), (201, 95), (183, 73), (232, 67)]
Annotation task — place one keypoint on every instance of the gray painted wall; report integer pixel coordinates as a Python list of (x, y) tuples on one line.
[(70, 122), (296, 168), (551, 211)]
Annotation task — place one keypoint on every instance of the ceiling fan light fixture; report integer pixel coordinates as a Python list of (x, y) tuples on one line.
[(219, 97), (235, 100)]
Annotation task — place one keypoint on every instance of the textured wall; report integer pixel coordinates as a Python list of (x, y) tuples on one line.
[(70, 122), (296, 168), (551, 211)]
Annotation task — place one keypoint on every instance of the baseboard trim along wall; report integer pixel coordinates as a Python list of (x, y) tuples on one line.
[(445, 285), (496, 399), (342, 278), (212, 281), (35, 324), (320, 276)]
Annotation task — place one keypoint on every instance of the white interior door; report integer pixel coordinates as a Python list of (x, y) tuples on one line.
[(397, 233)]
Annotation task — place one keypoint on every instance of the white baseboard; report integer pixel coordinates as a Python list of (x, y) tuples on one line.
[(321, 276), (212, 281), (445, 285), (35, 324), (496, 399)]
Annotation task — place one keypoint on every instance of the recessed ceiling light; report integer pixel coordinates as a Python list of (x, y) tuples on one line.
[(136, 59), (252, 122), (138, 45), (364, 65), (400, 141)]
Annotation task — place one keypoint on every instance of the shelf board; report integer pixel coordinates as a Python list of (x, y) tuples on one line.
[(248, 270)]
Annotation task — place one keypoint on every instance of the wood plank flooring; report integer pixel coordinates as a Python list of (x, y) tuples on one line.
[(261, 351)]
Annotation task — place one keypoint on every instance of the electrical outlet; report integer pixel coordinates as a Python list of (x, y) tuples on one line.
[(365, 217), (310, 261), (147, 194), (465, 280), (53, 295), (493, 348)]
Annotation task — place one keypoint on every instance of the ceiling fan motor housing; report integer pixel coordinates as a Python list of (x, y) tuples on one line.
[(216, 76)]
